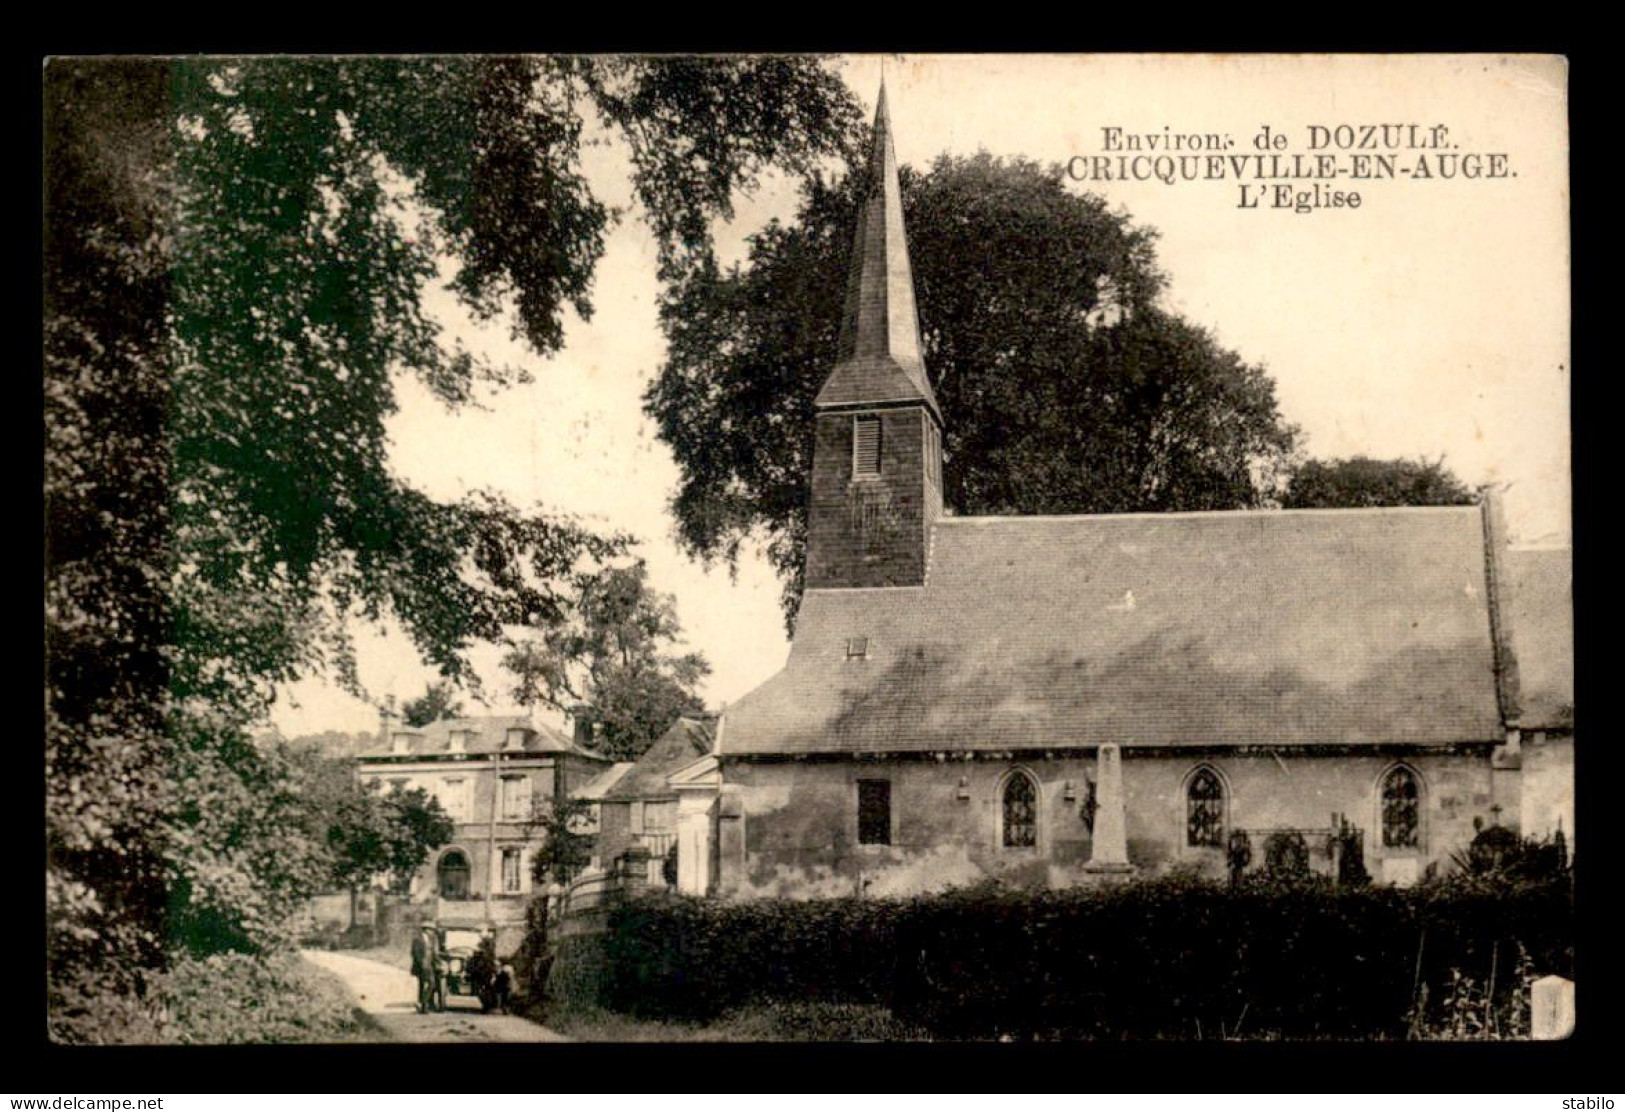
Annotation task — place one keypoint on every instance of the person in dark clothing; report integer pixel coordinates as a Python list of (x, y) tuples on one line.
[(491, 980), (426, 966)]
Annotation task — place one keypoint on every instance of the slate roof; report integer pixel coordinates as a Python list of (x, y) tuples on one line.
[(1540, 624), (683, 744), (594, 790), (1268, 627), (490, 736), (878, 355)]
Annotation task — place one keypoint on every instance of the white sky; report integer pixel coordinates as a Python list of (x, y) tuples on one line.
[(1432, 320)]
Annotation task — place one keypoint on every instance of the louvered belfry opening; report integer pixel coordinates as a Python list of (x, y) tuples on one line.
[(865, 447)]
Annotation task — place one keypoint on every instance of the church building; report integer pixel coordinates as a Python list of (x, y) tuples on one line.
[(1051, 699)]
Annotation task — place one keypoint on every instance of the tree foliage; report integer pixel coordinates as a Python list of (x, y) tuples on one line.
[(236, 257), (438, 701), (567, 846), (1360, 482), (108, 755), (365, 830), (389, 834), (610, 665), (336, 743), (1065, 388)]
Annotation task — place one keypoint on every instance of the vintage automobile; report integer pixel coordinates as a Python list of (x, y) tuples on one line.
[(463, 973)]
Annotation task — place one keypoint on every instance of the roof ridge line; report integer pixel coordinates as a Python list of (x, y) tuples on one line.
[(853, 590), (1162, 515)]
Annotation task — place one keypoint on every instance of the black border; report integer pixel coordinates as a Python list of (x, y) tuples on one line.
[(1577, 1065)]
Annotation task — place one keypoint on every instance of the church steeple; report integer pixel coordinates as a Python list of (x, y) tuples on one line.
[(877, 452), (878, 358)]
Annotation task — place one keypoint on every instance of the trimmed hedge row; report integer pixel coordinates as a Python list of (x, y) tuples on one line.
[(1144, 960)]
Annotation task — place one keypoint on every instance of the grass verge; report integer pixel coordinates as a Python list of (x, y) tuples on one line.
[(782, 1022)]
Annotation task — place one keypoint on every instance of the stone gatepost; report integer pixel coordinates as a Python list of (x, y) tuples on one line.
[(1109, 852), (634, 870)]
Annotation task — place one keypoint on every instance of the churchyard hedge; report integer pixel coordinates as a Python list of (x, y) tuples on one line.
[(1162, 959)]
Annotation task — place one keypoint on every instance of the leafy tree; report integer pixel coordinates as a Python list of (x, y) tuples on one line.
[(367, 830), (386, 833), (438, 702), (567, 849), (106, 488), (609, 665), (1359, 482), (1064, 387), (364, 830), (236, 252), (417, 826)]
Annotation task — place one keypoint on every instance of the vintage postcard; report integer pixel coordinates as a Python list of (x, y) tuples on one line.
[(900, 547)]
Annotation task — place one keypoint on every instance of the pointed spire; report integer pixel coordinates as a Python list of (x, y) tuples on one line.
[(878, 359)]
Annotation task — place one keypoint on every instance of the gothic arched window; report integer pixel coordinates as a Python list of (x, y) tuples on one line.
[(1401, 808), (1204, 809), (1020, 811)]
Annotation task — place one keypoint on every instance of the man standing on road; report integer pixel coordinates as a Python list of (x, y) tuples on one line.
[(426, 965)]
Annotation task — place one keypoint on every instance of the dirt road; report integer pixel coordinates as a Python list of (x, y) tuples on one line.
[(389, 995)]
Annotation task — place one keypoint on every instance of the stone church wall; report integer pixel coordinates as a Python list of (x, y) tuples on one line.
[(1548, 784), (800, 833)]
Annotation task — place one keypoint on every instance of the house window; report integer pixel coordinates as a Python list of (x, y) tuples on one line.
[(1401, 809), (874, 812), (453, 874), (510, 870), (857, 648), (866, 447), (1204, 809), (1019, 810), (516, 797), (454, 797)]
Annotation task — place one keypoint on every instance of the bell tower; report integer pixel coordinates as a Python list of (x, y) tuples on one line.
[(877, 457)]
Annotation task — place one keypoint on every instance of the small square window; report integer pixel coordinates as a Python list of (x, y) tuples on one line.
[(857, 648), (874, 812)]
